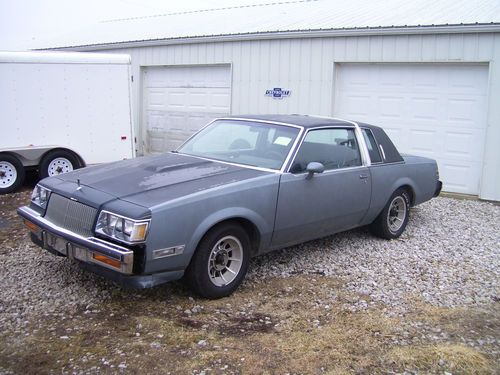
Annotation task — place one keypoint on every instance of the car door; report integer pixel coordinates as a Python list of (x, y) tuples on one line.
[(312, 206)]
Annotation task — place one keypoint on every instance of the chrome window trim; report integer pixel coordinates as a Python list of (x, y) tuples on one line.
[(391, 163), (280, 170), (260, 121), (365, 159), (383, 153), (330, 171)]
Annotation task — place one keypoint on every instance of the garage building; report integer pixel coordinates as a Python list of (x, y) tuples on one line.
[(427, 71)]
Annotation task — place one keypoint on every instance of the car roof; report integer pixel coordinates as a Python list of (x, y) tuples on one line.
[(305, 121)]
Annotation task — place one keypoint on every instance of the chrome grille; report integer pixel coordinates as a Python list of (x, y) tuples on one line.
[(68, 214)]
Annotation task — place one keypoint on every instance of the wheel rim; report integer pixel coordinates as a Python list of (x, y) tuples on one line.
[(397, 214), (225, 260), (8, 174), (58, 166)]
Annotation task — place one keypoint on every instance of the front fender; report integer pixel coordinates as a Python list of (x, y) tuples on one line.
[(264, 228)]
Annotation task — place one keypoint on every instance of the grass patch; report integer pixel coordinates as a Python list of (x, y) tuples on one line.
[(435, 358)]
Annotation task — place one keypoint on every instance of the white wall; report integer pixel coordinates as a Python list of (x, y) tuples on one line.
[(306, 67)]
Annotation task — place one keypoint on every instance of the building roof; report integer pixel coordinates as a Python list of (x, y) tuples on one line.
[(282, 17)]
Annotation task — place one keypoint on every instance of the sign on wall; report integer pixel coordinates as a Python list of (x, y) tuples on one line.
[(278, 93)]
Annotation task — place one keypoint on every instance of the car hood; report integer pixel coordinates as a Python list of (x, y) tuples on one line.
[(174, 174)]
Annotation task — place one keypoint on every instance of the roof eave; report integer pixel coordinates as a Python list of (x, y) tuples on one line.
[(318, 33)]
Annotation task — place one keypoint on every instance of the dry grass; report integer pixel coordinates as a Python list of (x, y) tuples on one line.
[(454, 358)]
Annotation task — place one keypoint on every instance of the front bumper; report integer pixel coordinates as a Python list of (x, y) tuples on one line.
[(64, 242)]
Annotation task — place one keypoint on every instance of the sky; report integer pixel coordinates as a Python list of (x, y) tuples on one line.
[(29, 24)]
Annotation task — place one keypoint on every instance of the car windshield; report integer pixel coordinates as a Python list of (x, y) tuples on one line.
[(251, 143)]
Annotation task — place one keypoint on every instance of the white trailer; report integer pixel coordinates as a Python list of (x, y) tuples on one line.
[(61, 111)]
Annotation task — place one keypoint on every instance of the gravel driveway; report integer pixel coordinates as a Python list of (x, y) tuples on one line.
[(448, 256)]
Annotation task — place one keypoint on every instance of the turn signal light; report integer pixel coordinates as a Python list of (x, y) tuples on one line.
[(106, 260), (32, 227)]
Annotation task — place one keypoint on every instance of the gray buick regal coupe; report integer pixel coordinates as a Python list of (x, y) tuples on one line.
[(240, 187)]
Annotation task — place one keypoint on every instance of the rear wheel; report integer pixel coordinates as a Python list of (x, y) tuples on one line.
[(57, 162), (220, 262), (393, 219), (11, 173)]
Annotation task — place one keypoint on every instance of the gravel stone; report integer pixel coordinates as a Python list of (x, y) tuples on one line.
[(449, 255)]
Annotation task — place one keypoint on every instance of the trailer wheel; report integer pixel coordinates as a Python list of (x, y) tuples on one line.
[(11, 173), (57, 162)]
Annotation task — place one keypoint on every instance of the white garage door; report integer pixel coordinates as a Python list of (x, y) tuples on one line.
[(177, 101), (434, 110)]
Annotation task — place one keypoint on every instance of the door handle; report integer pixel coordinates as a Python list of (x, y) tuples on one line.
[(363, 176)]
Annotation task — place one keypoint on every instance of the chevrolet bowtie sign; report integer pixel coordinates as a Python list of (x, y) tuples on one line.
[(278, 93)]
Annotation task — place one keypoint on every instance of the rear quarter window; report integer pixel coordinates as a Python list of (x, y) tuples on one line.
[(373, 149)]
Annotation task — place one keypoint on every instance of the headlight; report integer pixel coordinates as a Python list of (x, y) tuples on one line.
[(121, 228), (40, 196)]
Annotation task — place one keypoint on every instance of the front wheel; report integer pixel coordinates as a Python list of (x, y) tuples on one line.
[(220, 262), (57, 162), (392, 221)]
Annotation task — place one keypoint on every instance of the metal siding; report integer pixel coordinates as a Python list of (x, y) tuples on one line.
[(485, 47), (306, 68), (490, 182)]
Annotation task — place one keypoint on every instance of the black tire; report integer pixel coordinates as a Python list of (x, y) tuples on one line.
[(11, 173), (384, 225), (198, 275), (46, 169)]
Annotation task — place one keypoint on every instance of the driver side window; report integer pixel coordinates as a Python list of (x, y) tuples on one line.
[(334, 148)]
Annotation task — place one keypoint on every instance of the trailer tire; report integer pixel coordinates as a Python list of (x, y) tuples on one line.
[(57, 162), (11, 173)]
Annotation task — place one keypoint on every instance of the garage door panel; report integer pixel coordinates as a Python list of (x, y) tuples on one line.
[(177, 101), (471, 80), (434, 110), (156, 98), (467, 112), (356, 104), (424, 80), (464, 145), (424, 108), (424, 141), (219, 101), (388, 106)]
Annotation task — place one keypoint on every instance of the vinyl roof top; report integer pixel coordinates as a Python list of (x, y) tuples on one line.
[(286, 16), (305, 121)]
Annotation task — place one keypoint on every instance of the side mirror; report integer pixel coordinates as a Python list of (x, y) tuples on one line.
[(314, 167)]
